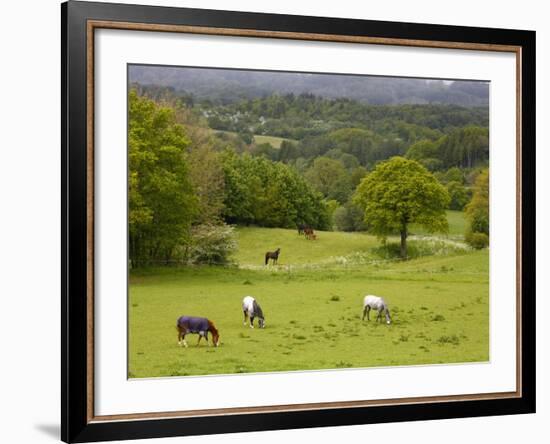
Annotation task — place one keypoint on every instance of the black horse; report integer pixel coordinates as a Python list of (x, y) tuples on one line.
[(272, 255), (301, 228)]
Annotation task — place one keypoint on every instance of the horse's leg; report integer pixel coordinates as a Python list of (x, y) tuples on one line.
[(245, 316), (364, 313), (200, 337), (181, 337), (379, 316), (251, 321), (368, 312)]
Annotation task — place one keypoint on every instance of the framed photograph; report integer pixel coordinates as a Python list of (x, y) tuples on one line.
[(275, 221)]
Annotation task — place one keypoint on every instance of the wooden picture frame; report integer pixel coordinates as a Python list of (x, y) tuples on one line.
[(79, 22)]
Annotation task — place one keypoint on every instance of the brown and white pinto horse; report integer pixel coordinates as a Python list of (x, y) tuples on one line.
[(200, 326)]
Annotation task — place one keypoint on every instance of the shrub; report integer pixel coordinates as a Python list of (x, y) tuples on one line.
[(477, 240), (349, 217), (420, 247), (459, 194), (211, 244)]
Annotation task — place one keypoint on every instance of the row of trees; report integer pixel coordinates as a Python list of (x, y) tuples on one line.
[(466, 147), (270, 194), (183, 184), (299, 116)]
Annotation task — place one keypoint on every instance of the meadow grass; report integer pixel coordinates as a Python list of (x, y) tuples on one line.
[(439, 306), (296, 250), (457, 226), (275, 142)]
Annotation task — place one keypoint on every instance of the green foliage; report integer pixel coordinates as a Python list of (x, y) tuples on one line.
[(465, 148), (211, 244), (477, 240), (206, 176), (329, 177), (426, 152), (400, 192), (357, 142), (287, 151), (459, 195), (349, 217), (162, 204), (357, 175), (477, 211), (265, 150), (269, 194), (453, 174)]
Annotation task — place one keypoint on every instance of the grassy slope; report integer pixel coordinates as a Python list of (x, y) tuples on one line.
[(275, 142), (457, 225), (296, 250), (439, 306)]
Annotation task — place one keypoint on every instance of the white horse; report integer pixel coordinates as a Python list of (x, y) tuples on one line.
[(378, 304), (252, 309)]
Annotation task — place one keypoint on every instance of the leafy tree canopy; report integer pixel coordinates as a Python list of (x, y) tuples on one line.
[(400, 192), (162, 203)]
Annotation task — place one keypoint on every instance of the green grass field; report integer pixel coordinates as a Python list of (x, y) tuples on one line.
[(275, 142), (313, 304), (457, 226)]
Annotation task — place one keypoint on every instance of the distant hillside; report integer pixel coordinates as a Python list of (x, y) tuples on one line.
[(227, 86)]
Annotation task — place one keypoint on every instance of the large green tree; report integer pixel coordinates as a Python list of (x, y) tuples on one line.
[(400, 192), (162, 203)]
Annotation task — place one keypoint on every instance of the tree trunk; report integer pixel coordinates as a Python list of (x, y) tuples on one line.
[(404, 242)]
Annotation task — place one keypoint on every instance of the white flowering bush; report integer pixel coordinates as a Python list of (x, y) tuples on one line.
[(211, 244), (420, 246)]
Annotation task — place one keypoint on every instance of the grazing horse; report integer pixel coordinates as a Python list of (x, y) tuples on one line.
[(274, 255), (252, 309), (376, 303), (200, 326), (301, 228), (309, 233)]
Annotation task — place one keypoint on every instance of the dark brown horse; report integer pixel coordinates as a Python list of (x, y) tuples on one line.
[(273, 255)]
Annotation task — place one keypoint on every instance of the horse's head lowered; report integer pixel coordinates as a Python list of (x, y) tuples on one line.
[(215, 333)]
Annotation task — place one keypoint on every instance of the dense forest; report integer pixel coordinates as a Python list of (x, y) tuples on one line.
[(199, 164)]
